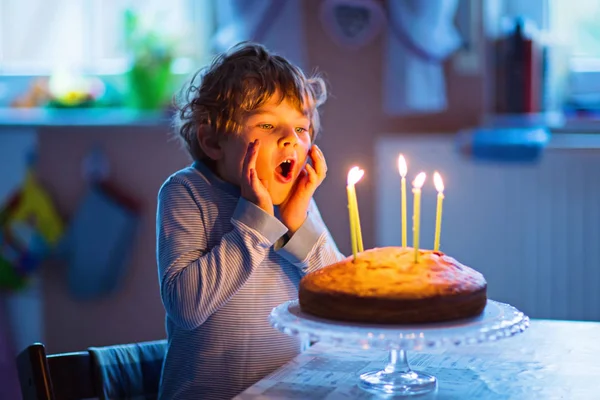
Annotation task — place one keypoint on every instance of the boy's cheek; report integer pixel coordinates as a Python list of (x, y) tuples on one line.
[(306, 158), (304, 163)]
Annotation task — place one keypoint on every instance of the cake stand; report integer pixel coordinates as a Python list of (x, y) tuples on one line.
[(497, 321)]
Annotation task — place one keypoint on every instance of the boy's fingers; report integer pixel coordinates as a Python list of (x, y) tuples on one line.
[(254, 154), (255, 182), (320, 165), (312, 174), (303, 174), (259, 186), (246, 163), (249, 163), (250, 184)]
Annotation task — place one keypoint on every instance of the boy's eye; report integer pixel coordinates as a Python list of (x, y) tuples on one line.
[(266, 126), (301, 130)]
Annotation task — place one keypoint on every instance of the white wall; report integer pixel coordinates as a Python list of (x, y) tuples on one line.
[(532, 230)]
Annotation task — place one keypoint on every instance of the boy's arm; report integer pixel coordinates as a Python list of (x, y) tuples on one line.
[(196, 281), (312, 246)]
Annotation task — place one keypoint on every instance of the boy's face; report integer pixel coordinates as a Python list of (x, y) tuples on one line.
[(283, 132)]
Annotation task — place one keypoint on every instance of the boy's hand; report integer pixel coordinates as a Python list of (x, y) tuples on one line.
[(254, 189), (293, 210)]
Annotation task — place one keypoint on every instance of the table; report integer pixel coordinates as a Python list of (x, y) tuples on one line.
[(550, 360)]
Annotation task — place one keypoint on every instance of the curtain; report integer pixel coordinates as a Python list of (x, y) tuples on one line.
[(420, 36)]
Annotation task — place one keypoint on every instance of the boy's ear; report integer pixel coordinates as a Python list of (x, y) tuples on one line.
[(209, 143)]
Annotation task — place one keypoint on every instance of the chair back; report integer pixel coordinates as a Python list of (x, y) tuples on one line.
[(119, 371)]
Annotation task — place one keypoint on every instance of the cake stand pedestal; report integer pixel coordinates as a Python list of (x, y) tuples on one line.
[(497, 321)]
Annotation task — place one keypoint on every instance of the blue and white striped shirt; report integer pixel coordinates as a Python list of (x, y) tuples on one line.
[(221, 271)]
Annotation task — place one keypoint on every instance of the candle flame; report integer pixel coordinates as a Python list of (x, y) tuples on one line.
[(438, 182), (402, 166), (419, 180), (354, 175)]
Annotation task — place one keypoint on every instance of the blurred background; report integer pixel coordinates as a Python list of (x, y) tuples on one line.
[(502, 97)]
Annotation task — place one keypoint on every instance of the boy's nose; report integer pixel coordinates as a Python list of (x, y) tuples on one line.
[(289, 139)]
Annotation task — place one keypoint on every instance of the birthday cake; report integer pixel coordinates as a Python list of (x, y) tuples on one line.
[(386, 286)]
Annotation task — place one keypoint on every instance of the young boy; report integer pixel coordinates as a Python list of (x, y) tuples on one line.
[(237, 230)]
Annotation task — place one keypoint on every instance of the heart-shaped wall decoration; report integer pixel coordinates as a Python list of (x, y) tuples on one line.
[(352, 23)]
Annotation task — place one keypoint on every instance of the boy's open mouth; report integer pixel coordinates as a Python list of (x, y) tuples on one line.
[(285, 169)]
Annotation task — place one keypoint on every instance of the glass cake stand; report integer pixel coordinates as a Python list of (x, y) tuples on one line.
[(497, 321)]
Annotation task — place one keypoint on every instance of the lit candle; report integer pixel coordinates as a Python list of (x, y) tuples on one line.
[(439, 186), (354, 175), (417, 185), (402, 169), (359, 239)]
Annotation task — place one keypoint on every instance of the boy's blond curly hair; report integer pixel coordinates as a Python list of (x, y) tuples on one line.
[(240, 80)]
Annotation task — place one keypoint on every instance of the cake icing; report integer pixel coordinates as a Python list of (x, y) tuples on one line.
[(385, 285)]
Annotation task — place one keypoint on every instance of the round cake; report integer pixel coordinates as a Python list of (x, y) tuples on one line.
[(385, 286)]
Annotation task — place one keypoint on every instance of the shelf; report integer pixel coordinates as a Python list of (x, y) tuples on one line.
[(81, 117)]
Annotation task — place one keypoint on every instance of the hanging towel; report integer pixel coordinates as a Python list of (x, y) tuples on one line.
[(129, 371), (30, 229), (99, 242), (421, 34)]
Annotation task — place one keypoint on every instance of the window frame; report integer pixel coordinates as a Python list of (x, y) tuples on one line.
[(203, 30)]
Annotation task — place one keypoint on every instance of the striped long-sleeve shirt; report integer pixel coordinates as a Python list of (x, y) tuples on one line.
[(222, 269)]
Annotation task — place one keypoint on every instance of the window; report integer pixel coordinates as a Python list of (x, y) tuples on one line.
[(40, 36), (576, 23), (572, 32)]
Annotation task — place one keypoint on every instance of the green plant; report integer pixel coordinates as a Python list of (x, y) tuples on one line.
[(152, 54)]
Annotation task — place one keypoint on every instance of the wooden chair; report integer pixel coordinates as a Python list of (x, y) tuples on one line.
[(73, 376)]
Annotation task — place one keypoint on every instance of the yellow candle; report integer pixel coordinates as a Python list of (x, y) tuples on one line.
[(439, 186), (403, 169), (351, 215), (354, 175), (359, 240), (417, 185)]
